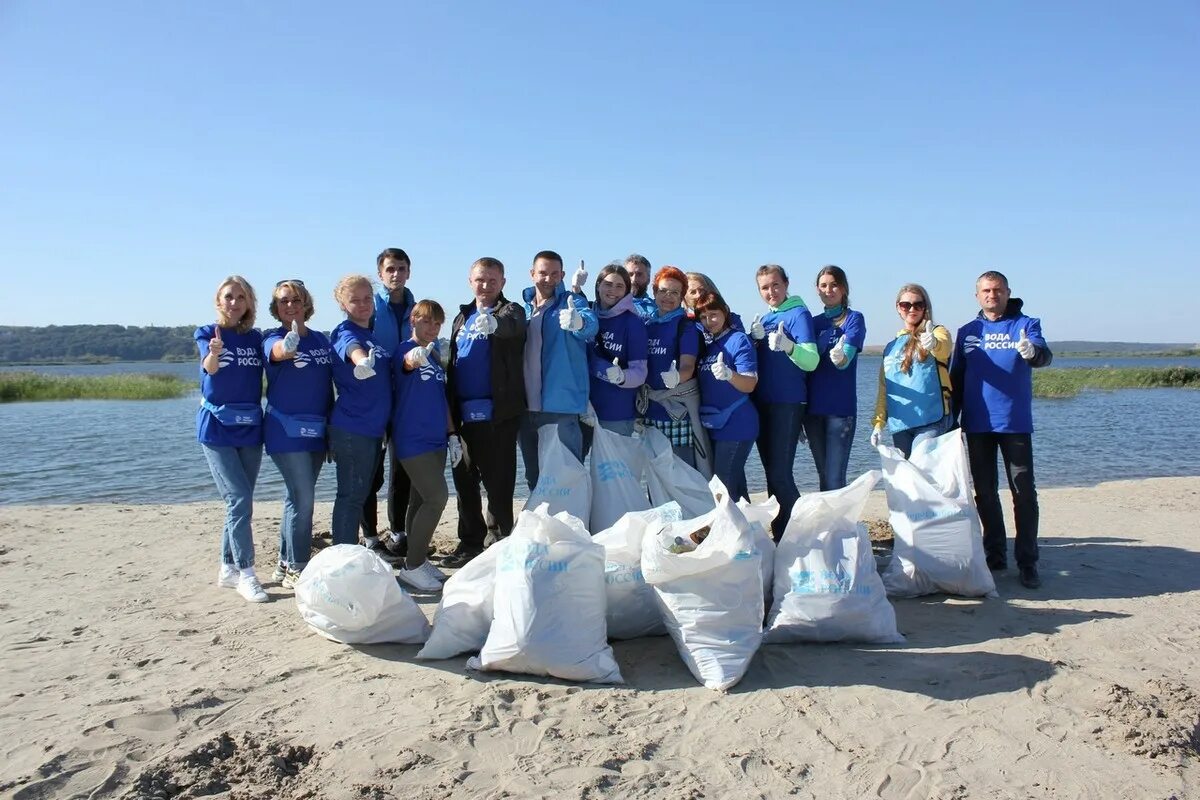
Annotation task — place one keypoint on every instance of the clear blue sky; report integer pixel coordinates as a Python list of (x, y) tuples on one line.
[(149, 149)]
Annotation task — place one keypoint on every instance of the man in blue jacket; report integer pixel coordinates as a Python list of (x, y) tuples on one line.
[(991, 375), (638, 267), (556, 363)]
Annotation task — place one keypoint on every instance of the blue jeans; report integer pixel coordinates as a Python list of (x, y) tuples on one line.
[(356, 457), (830, 439), (906, 439), (729, 464), (779, 427), (568, 432), (235, 471), (621, 426), (300, 470)]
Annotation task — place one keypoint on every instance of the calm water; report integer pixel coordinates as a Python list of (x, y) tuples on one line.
[(146, 452)]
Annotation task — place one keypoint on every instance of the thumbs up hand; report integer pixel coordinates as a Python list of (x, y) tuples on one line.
[(1025, 348), (579, 278), (757, 331), (837, 353), (570, 320), (291, 342), (366, 368), (780, 341), (485, 323), (418, 356), (215, 345), (719, 370), (926, 339), (615, 374), (670, 378)]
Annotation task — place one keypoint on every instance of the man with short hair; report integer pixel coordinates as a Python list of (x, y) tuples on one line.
[(486, 387), (556, 363), (991, 375), (638, 267), (391, 326)]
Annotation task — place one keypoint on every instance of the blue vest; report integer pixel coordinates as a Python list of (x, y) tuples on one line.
[(914, 398)]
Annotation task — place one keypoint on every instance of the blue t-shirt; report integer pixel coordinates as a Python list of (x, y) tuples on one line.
[(739, 356), (622, 337), (300, 385), (419, 417), (997, 384), (833, 392), (362, 407), (667, 341), (238, 381), (779, 379), (473, 367)]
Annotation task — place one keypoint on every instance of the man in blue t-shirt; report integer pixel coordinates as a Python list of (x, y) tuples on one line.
[(992, 389), (486, 388)]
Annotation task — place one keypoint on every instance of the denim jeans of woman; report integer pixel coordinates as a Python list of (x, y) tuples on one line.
[(235, 471), (356, 457), (779, 428), (830, 439), (729, 464), (300, 470), (906, 439)]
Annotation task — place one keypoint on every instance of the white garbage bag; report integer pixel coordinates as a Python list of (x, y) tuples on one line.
[(464, 614), (618, 463), (939, 540), (563, 483), (826, 586), (669, 478), (712, 596), (548, 607), (632, 610), (760, 516), (350, 595)]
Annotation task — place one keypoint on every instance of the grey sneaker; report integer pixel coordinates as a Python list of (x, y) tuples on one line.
[(227, 578), (434, 572), (419, 579)]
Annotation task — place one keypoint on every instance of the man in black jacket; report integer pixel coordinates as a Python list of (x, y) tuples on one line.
[(486, 386)]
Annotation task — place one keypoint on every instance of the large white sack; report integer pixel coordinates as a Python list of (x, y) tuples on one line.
[(712, 597), (563, 483), (632, 610), (669, 478), (826, 585), (939, 540), (548, 607), (464, 614), (350, 595), (617, 466), (760, 516)]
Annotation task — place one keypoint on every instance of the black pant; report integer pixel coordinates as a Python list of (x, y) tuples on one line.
[(491, 460), (1017, 452), (398, 489)]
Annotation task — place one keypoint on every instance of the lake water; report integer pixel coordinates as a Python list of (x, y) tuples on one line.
[(84, 451)]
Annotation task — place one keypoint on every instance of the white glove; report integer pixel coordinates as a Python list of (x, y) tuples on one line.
[(366, 369), (837, 353), (570, 320), (926, 339), (615, 374), (876, 435), (757, 331), (454, 445), (291, 342), (418, 356), (485, 323), (670, 378), (443, 352), (719, 370), (779, 341), (579, 279), (1025, 348)]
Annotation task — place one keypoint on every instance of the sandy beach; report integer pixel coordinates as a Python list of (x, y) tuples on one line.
[(127, 673)]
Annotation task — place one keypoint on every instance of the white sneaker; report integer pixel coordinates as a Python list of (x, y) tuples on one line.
[(419, 579), (280, 572), (249, 588), (227, 578), (434, 572)]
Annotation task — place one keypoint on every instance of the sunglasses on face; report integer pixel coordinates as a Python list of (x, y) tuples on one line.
[(667, 292), (906, 306), (296, 281), (287, 301)]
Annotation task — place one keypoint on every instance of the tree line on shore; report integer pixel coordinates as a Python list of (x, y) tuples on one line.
[(82, 344)]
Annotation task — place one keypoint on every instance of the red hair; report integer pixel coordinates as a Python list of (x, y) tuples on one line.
[(672, 274)]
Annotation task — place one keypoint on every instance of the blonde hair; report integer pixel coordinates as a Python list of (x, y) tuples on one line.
[(305, 298), (910, 347), (348, 283), (430, 309), (247, 321)]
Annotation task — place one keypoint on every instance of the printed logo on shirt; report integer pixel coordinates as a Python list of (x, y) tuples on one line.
[(226, 358), (432, 371), (655, 346), (318, 356), (247, 357), (989, 341)]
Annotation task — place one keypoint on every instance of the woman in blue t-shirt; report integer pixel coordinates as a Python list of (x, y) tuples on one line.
[(833, 386), (673, 345), (422, 433), (362, 375), (728, 374), (229, 425), (299, 397), (617, 356)]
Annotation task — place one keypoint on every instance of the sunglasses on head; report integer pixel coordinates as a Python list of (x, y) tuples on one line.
[(296, 281), (919, 305)]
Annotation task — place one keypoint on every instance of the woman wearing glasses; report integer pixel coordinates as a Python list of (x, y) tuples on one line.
[(914, 378), (299, 397)]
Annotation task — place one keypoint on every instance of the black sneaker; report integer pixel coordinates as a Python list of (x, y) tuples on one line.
[(459, 558), (997, 563), (1029, 577)]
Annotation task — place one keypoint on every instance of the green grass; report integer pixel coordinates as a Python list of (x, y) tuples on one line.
[(25, 386), (1070, 382)]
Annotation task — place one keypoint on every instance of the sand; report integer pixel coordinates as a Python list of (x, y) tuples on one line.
[(127, 673)]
